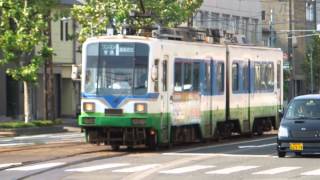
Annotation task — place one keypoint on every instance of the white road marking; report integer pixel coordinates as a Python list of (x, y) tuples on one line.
[(137, 168), (9, 164), (31, 137), (15, 144), (226, 144), (231, 170), (312, 173), (277, 170), (36, 167), (257, 146), (186, 169), (216, 155), (98, 167)]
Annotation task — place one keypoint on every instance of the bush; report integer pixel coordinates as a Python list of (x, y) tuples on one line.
[(35, 123)]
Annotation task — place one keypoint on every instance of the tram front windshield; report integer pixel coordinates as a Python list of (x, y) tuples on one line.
[(119, 69)]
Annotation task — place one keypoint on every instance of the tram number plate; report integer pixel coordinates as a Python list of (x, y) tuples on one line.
[(296, 146), (138, 122)]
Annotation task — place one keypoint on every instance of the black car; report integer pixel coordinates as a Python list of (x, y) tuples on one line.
[(299, 130)]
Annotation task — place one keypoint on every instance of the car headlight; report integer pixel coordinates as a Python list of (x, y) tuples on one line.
[(140, 107), (89, 107), (283, 132)]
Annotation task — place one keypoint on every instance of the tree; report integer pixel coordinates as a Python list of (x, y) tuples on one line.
[(23, 27), (313, 60), (95, 15)]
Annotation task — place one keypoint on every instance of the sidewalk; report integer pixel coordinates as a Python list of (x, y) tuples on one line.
[(68, 125)]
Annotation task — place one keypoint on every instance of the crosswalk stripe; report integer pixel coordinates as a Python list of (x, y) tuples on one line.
[(231, 170), (186, 169), (277, 170), (36, 167), (312, 173), (98, 167), (9, 164), (137, 168)]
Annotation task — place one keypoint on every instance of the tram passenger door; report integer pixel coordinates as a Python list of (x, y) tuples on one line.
[(165, 121), (205, 101)]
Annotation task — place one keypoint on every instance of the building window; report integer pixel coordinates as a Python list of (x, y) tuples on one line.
[(255, 30), (309, 11), (245, 26), (64, 30), (215, 21), (236, 24), (225, 21)]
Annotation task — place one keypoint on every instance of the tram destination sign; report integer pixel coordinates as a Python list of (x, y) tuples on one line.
[(117, 49)]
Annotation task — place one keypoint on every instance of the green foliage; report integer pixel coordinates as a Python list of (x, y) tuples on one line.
[(314, 53), (95, 15), (23, 26), (36, 123)]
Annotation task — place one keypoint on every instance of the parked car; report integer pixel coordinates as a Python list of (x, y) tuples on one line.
[(299, 130)]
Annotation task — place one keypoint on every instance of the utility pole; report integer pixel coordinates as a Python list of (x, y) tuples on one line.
[(311, 70), (271, 44), (290, 55)]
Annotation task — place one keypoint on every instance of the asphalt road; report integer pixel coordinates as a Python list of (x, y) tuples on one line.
[(241, 159)]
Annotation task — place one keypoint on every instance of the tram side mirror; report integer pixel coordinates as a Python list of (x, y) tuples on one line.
[(154, 73)]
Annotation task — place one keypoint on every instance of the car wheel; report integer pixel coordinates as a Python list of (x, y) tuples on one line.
[(281, 154)]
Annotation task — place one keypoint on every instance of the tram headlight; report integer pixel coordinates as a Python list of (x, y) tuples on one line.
[(89, 107), (140, 107)]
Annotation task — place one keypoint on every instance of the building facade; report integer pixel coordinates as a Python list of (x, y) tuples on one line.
[(276, 30), (66, 91), (232, 19)]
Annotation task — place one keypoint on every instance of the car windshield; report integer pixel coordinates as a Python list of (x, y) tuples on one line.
[(119, 69), (304, 109)]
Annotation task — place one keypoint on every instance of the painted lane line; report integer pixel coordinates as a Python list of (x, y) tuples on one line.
[(30, 137), (138, 168), (98, 167), (257, 146), (9, 164), (277, 170), (312, 173), (226, 144), (186, 169), (36, 167), (232, 170), (16, 144), (216, 155)]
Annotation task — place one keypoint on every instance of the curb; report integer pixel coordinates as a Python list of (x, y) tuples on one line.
[(31, 131)]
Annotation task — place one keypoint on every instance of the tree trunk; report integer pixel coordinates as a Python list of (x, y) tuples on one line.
[(27, 101)]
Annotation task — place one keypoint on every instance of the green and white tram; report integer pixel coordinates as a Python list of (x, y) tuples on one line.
[(149, 91)]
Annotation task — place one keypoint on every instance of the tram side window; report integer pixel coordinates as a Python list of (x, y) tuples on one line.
[(187, 75), (178, 77), (164, 75), (264, 77), (245, 78), (257, 77), (270, 76), (235, 77), (207, 77), (220, 77), (196, 73)]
